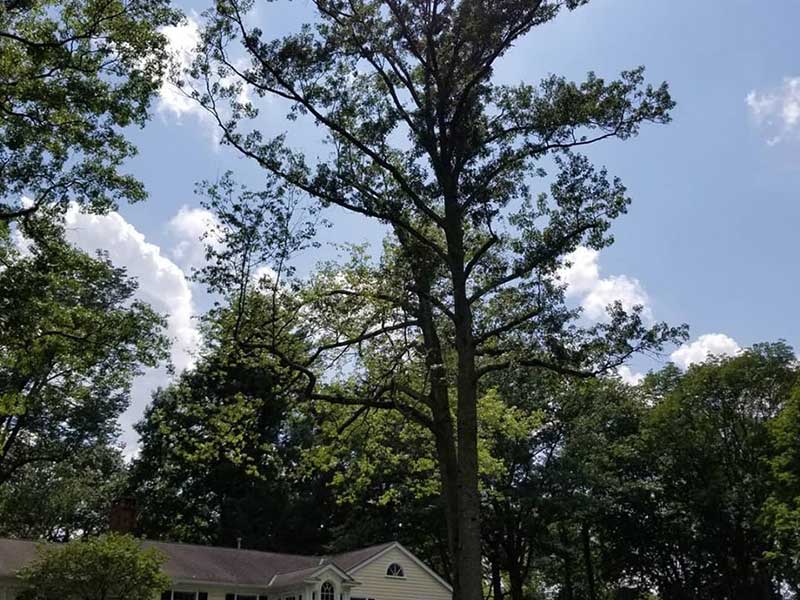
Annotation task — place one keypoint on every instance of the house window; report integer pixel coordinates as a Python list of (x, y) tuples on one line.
[(395, 570), (327, 591), (178, 595)]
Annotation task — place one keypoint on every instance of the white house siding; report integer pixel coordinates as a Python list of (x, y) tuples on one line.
[(418, 584)]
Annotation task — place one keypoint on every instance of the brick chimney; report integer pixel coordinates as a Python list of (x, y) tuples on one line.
[(122, 518)]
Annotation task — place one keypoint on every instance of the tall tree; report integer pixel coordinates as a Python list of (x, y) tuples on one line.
[(423, 141), (73, 74), (71, 341), (221, 451)]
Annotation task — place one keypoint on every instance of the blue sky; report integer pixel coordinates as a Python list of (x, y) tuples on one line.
[(711, 237)]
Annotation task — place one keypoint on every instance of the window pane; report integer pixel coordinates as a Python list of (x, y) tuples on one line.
[(183, 596), (327, 592)]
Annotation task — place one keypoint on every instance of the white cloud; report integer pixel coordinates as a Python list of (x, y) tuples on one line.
[(189, 227), (22, 243), (629, 376), (582, 272), (265, 274), (174, 97), (182, 41), (710, 344), (777, 110), (582, 278), (161, 283), (619, 287)]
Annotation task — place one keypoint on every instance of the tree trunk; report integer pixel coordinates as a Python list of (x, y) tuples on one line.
[(568, 588), (497, 581), (517, 582), (443, 430), (470, 572), (587, 561), (448, 473)]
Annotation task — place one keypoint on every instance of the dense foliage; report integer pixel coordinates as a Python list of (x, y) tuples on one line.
[(106, 567), (613, 491), (71, 340), (220, 455), (73, 75), (80, 492), (683, 485)]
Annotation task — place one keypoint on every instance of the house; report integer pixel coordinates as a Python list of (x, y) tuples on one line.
[(383, 572)]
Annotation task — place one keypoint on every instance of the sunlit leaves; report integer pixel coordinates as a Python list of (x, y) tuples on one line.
[(74, 74)]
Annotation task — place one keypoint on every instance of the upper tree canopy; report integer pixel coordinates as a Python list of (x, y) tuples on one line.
[(423, 140), (73, 73)]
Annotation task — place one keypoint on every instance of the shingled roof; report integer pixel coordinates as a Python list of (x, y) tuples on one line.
[(190, 562), (349, 560)]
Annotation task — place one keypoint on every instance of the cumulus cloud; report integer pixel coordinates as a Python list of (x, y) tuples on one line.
[(192, 229), (161, 283), (195, 228), (265, 274), (174, 99), (710, 344), (629, 376), (182, 40), (777, 110), (581, 274)]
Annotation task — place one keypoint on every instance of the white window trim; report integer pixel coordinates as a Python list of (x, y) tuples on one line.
[(402, 570)]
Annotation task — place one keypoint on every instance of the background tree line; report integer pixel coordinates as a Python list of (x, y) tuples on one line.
[(441, 391), (684, 485)]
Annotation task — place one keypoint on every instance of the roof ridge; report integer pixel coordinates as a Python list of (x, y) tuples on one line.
[(322, 558), (229, 548)]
